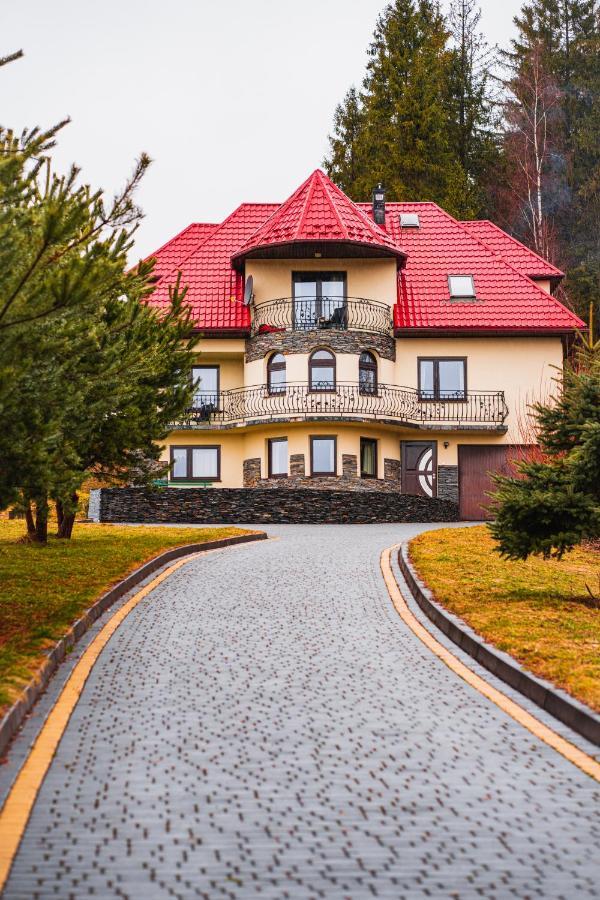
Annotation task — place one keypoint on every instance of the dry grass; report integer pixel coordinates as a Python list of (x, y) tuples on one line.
[(43, 590), (539, 611)]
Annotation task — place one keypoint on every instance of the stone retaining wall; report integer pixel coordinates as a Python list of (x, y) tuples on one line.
[(264, 505)]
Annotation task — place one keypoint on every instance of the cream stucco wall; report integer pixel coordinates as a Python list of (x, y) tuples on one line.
[(522, 367), (373, 279)]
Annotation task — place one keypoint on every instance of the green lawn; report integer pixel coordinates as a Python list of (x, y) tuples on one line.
[(43, 590), (535, 610)]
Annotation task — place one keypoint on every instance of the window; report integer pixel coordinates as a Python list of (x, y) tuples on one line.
[(206, 387), (319, 300), (409, 220), (367, 373), (276, 374), (368, 458), (462, 287), (196, 463), (323, 455), (278, 457), (442, 379), (321, 371)]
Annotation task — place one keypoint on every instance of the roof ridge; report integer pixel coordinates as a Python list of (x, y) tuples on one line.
[(516, 241)]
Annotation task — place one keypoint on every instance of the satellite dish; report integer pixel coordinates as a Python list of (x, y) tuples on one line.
[(248, 290)]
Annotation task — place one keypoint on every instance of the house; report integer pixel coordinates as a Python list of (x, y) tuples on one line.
[(362, 346)]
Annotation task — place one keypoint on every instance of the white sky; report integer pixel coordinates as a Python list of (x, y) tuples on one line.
[(233, 99)]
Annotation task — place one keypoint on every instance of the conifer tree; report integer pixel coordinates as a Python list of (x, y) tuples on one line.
[(343, 165), (562, 39), (90, 376), (549, 506), (405, 127)]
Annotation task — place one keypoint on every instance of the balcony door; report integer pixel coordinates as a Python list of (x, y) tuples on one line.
[(319, 300)]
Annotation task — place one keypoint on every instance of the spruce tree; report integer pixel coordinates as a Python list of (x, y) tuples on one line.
[(550, 505), (405, 126), (343, 165)]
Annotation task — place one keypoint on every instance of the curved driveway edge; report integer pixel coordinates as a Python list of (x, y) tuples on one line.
[(559, 704), (13, 719)]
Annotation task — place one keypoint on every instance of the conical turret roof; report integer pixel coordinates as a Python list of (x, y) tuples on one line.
[(318, 212)]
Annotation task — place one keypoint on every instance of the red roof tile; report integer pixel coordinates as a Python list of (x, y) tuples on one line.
[(507, 300), (319, 211), (513, 251), (171, 254), (207, 272)]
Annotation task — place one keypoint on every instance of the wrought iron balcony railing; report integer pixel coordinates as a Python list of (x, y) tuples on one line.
[(347, 400), (322, 314)]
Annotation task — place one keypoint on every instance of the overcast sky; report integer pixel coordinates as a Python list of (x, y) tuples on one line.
[(232, 99)]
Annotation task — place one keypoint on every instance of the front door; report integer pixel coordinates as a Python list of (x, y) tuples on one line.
[(419, 468)]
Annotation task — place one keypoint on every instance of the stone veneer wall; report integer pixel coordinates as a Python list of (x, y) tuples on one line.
[(260, 345), (349, 480), (447, 483), (256, 505)]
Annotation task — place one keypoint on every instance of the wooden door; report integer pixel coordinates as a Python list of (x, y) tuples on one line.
[(476, 463), (419, 468)]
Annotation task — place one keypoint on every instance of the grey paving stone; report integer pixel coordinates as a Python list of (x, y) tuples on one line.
[(264, 725)]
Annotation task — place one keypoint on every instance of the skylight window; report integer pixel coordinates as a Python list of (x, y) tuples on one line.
[(462, 287), (409, 220)]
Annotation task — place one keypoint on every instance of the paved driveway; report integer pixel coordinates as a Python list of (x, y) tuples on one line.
[(264, 725)]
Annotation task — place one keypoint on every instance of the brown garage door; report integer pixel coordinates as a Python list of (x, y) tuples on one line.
[(475, 463)]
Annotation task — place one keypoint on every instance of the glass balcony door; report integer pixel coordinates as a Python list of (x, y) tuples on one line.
[(319, 300)]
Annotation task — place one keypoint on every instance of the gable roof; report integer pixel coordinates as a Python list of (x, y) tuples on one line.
[(318, 211), (507, 300), (512, 250)]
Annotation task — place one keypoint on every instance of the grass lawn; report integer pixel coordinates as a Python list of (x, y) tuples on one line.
[(534, 610), (43, 590)]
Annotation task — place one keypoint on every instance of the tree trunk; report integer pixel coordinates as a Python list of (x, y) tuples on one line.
[(29, 520), (65, 527), (60, 513), (41, 519)]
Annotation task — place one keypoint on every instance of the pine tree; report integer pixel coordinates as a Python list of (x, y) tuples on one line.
[(90, 376)]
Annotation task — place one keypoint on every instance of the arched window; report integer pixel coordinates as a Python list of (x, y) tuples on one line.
[(276, 373), (367, 373), (321, 371)]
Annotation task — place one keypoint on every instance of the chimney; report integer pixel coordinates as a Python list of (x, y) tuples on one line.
[(379, 204)]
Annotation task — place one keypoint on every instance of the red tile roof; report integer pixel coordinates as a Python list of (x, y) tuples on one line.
[(507, 300), (319, 211), (212, 283), (513, 251), (172, 254)]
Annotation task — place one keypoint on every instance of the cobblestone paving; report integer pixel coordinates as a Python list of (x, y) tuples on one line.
[(263, 725)]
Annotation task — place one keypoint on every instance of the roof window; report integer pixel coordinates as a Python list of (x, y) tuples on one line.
[(462, 287), (409, 220)]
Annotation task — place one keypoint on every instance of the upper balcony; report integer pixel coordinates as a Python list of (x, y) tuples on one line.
[(323, 313)]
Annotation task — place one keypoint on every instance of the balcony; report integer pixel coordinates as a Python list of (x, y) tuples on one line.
[(478, 410), (322, 314)]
